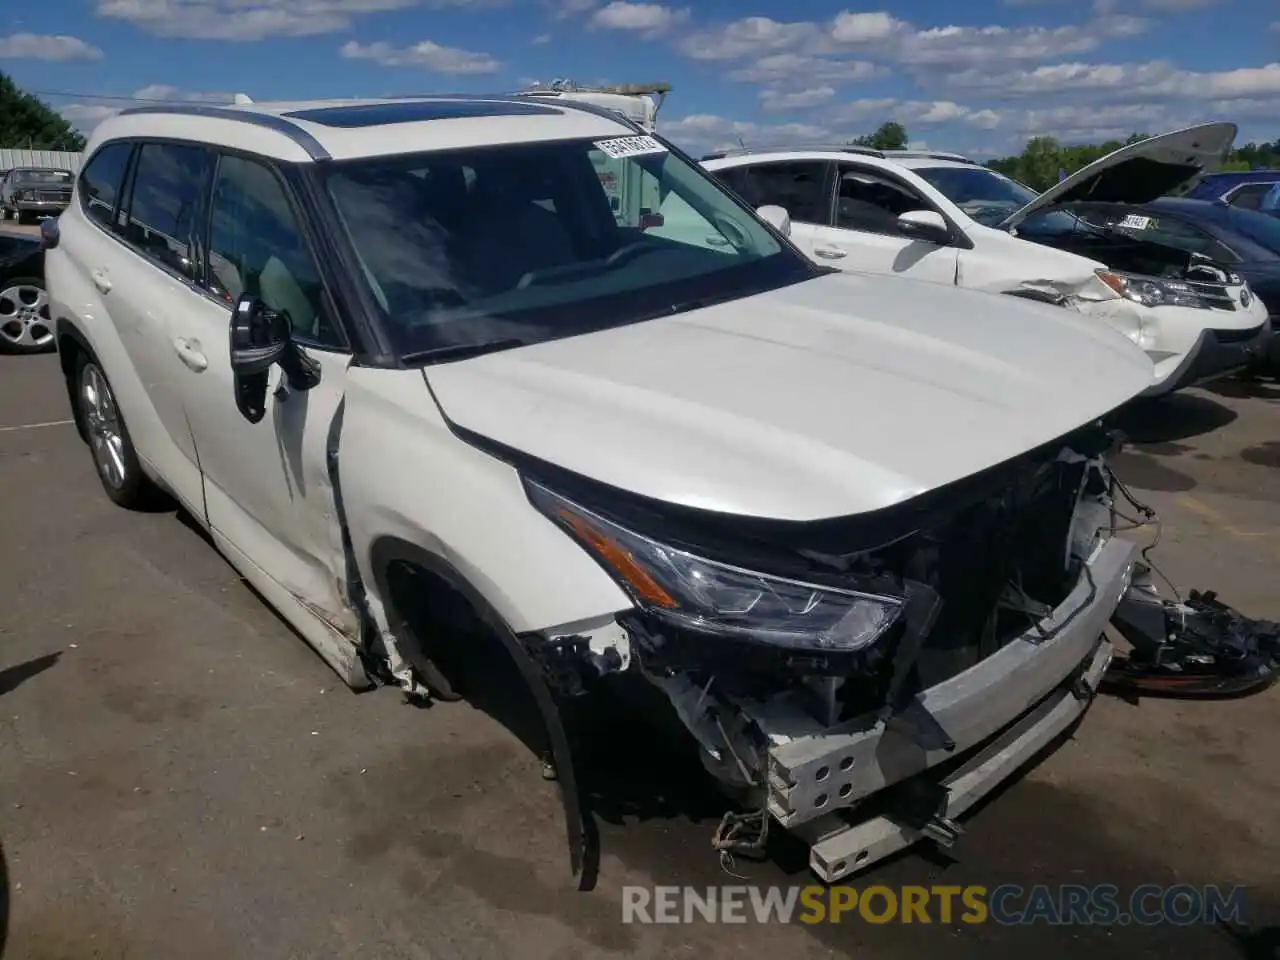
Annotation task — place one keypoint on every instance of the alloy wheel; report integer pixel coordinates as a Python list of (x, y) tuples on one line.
[(102, 419), (24, 316)]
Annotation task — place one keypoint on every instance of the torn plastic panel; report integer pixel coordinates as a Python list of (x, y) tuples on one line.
[(1007, 563), (1199, 647)]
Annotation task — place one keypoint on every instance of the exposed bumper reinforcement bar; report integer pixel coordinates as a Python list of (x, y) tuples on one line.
[(838, 850)]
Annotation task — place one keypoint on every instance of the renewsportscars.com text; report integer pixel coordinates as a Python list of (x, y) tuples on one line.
[(1006, 904)]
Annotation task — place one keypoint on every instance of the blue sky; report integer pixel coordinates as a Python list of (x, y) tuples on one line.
[(980, 77)]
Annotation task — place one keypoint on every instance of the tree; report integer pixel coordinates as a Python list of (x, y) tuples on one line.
[(888, 136), (27, 123)]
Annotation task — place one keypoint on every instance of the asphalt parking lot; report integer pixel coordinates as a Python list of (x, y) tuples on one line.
[(181, 776)]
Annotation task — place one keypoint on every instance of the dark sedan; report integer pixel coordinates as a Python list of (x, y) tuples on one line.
[(24, 304), (1245, 241)]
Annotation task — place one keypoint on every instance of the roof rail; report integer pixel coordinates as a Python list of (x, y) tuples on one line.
[(841, 148), (926, 155), (268, 120)]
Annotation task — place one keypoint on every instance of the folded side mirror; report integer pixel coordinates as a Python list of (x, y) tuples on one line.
[(49, 233), (926, 225), (777, 217), (260, 339)]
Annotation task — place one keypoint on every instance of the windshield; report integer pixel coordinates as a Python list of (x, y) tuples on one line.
[(986, 196), (502, 246), (42, 176), (1263, 229)]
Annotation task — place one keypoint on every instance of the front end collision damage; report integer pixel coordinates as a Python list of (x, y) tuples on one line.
[(859, 753), (807, 738)]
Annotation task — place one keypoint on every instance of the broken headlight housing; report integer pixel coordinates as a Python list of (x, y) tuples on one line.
[(705, 596), (1153, 291)]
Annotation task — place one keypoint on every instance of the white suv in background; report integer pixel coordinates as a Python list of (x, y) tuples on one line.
[(434, 398), (942, 218)]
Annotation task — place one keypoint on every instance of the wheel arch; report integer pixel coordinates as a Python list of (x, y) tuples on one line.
[(70, 341), (387, 551)]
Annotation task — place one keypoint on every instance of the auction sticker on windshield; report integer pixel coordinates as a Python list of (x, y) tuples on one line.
[(621, 147), (1135, 222)]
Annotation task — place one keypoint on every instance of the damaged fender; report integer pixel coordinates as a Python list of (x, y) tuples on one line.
[(583, 849)]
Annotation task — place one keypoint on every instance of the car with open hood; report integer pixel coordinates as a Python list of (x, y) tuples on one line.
[(942, 218), (444, 408)]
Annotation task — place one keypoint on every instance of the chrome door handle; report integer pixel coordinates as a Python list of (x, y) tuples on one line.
[(190, 354), (830, 253), (101, 280)]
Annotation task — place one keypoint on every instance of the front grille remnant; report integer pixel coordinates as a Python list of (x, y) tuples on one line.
[(1012, 543)]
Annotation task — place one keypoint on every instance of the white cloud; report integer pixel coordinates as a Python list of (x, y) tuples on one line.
[(425, 55), (259, 19), (907, 112), (562, 9), (984, 119), (796, 99), (704, 133), (787, 67), (87, 114), (879, 36), (752, 37), (163, 91), (35, 46), (1179, 6), (646, 19), (1156, 80), (855, 28), (541, 39)]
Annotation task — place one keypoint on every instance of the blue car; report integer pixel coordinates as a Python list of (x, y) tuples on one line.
[(1252, 190)]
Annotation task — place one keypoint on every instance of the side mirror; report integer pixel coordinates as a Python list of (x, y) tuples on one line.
[(777, 217), (260, 339), (49, 233), (926, 225)]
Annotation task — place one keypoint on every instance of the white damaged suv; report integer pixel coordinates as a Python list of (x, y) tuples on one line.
[(429, 374), (945, 219)]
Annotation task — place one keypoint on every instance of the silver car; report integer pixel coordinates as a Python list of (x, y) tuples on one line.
[(28, 192)]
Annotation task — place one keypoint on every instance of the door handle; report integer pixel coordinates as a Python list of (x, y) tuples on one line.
[(830, 253), (101, 280), (190, 354)]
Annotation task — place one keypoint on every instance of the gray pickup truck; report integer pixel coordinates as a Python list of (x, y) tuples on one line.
[(27, 192)]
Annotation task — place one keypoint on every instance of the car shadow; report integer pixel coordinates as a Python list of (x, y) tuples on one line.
[(12, 677), (1247, 388), (1167, 420)]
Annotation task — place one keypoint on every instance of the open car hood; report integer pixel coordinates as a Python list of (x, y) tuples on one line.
[(835, 396), (1141, 171)]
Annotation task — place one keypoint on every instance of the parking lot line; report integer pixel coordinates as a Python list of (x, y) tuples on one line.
[(1220, 520), (36, 426)]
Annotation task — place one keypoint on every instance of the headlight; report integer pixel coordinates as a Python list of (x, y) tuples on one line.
[(1153, 291), (704, 595)]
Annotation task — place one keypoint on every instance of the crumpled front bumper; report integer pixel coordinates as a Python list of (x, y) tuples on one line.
[(1002, 711), (1216, 354)]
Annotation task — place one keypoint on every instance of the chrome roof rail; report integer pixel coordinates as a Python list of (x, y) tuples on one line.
[(269, 121)]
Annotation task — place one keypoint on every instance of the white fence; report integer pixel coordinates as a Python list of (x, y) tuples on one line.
[(40, 158)]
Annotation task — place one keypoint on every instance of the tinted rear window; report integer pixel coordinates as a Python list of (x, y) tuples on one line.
[(100, 181)]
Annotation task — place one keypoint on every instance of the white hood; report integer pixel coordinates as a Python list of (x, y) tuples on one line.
[(835, 396), (1141, 171)]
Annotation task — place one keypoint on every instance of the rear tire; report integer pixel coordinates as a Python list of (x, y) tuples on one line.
[(114, 457)]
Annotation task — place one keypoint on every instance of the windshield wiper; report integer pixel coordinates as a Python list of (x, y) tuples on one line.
[(463, 351)]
